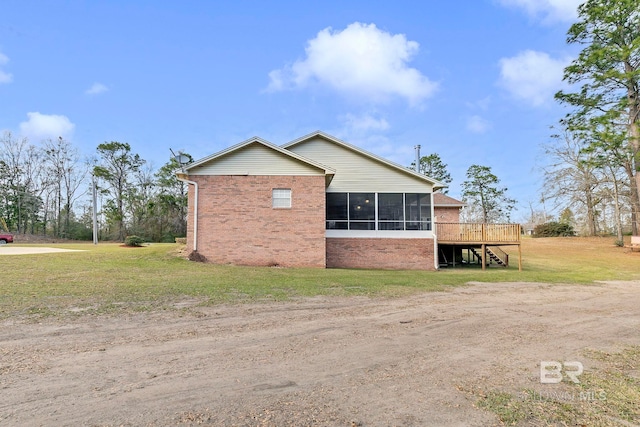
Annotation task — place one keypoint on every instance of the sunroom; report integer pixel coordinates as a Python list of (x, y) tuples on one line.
[(378, 212)]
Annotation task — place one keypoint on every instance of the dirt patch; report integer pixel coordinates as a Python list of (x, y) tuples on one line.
[(316, 361)]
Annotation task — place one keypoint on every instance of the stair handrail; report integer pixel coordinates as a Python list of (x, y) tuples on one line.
[(500, 254)]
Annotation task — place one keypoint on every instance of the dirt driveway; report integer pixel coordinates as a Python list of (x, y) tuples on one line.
[(318, 361), (29, 250)]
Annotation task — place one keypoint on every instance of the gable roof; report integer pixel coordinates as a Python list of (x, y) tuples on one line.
[(442, 200), (256, 140), (436, 184)]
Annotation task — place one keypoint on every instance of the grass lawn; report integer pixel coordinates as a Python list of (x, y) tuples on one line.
[(108, 277)]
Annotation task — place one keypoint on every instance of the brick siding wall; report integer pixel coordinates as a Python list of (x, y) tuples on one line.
[(447, 214), (393, 254), (237, 224)]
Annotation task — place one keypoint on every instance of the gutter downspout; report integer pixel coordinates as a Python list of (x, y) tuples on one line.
[(436, 261), (180, 177)]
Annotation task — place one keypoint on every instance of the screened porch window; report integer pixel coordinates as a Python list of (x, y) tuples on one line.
[(417, 211), (337, 212), (390, 211), (362, 211), (378, 211)]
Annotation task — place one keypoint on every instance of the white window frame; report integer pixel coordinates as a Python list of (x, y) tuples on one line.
[(405, 221), (281, 198)]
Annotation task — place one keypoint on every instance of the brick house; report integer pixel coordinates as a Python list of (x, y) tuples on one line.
[(314, 202), (447, 209)]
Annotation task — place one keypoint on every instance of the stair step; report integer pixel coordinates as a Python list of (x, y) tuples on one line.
[(492, 256)]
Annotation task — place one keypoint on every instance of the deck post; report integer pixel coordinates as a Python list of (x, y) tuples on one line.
[(520, 257), (474, 235), (453, 256)]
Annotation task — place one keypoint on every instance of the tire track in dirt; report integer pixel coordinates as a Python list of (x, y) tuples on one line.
[(321, 361)]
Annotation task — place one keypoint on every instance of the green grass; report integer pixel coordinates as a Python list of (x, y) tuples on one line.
[(109, 278)]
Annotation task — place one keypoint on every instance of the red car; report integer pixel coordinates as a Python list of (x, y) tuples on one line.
[(6, 238)]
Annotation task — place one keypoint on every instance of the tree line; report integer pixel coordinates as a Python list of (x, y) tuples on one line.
[(595, 158), (592, 161), (45, 189), (586, 189), (591, 179), (486, 201)]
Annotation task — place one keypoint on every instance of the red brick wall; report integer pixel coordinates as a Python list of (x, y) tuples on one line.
[(237, 224), (393, 254), (443, 214)]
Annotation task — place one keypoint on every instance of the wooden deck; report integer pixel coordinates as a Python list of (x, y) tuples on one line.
[(472, 233), (479, 235)]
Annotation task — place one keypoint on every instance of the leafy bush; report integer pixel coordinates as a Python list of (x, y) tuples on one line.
[(135, 241), (553, 229), (168, 238)]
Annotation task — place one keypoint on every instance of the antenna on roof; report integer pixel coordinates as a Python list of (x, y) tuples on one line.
[(181, 158)]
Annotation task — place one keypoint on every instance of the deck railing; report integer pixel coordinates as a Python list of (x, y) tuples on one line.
[(477, 233)]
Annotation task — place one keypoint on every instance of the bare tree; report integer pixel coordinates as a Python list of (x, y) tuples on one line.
[(572, 177), (66, 174), (20, 168)]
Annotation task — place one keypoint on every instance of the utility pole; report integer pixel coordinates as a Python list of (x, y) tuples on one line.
[(94, 191)]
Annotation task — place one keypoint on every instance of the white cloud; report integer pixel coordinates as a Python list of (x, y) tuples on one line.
[(477, 124), (361, 61), (532, 76), (364, 123), (96, 89), (42, 126), (378, 144), (548, 10), (482, 104), (4, 77)]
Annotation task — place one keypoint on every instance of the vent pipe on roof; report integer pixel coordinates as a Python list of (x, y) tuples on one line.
[(417, 148)]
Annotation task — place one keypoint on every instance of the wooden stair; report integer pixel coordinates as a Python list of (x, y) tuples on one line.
[(442, 259), (495, 255)]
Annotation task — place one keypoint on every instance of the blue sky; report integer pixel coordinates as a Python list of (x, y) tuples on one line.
[(472, 81)]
